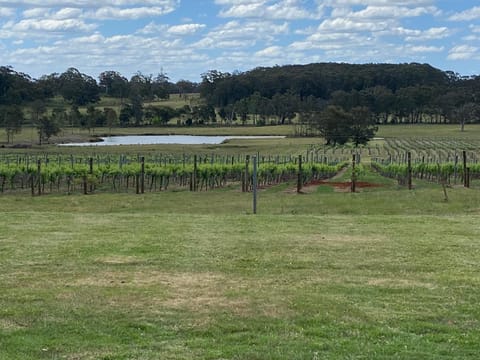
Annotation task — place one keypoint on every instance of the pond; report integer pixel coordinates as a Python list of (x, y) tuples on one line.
[(165, 139)]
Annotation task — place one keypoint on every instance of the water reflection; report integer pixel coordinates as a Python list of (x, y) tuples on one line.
[(165, 139)]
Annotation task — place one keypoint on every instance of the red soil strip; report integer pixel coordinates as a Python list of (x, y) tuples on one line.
[(343, 185)]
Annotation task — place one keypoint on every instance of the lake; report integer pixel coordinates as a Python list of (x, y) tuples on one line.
[(165, 139)]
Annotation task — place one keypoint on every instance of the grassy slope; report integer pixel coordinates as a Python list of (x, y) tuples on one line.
[(384, 273)]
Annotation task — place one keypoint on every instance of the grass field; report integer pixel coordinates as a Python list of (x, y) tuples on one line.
[(385, 273)]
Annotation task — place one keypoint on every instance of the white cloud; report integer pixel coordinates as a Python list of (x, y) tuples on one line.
[(335, 3), (271, 51), (426, 49), (89, 3), (67, 13), (285, 9), (52, 25), (6, 12), (463, 52), (348, 25), (392, 11), (114, 13), (185, 29), (434, 33), (242, 34), (467, 15)]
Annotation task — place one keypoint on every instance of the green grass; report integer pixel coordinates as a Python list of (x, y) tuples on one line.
[(384, 273), (388, 273)]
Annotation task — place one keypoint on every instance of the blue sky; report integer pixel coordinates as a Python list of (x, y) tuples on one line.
[(185, 38)]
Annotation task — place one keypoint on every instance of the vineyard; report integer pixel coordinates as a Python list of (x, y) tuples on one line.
[(48, 174), (433, 160)]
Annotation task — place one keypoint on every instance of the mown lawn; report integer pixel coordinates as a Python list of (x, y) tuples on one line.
[(380, 274)]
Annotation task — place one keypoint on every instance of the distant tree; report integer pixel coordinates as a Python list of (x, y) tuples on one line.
[(47, 126), (362, 128), (338, 126), (160, 115), (468, 112), (113, 84), (141, 86), (333, 124), (111, 118), (13, 118), (137, 109), (186, 87), (91, 118), (126, 114), (203, 114), (75, 117), (37, 109), (78, 88)]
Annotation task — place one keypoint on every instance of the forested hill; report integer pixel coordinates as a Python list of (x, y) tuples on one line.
[(319, 80), (392, 93)]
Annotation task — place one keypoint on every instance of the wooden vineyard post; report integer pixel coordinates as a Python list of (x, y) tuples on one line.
[(354, 175), (455, 174), (299, 175), (39, 176), (254, 184), (245, 180), (193, 176), (90, 171), (465, 178), (409, 170), (142, 175)]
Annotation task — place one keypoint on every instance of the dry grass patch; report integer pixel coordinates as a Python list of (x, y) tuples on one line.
[(401, 283), (200, 293)]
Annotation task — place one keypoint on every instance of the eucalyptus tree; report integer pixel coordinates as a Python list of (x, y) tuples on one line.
[(78, 88)]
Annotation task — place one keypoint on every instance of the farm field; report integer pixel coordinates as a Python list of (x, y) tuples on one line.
[(384, 272)]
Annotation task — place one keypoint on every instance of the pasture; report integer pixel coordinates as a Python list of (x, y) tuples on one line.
[(384, 272)]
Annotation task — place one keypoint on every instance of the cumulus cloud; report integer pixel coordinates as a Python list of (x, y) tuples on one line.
[(271, 51), (242, 34), (6, 12), (89, 3), (114, 13), (284, 10), (463, 52), (467, 15), (185, 29), (52, 25)]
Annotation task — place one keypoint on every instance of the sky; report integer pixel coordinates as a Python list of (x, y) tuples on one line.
[(186, 38)]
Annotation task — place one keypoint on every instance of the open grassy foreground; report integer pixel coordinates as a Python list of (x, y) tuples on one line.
[(381, 274)]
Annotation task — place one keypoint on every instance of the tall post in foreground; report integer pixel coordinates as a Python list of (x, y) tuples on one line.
[(465, 177), (299, 175), (245, 182), (354, 175), (90, 171), (39, 176), (142, 175), (193, 182), (254, 184), (409, 170)]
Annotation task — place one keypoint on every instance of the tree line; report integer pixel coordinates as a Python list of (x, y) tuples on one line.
[(20, 94), (344, 101), (305, 94)]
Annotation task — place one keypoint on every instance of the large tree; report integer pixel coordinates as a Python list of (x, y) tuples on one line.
[(339, 126), (113, 84), (78, 88)]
